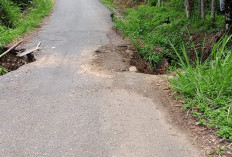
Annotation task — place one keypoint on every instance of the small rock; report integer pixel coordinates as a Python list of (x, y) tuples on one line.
[(129, 51), (157, 84), (170, 77), (132, 69)]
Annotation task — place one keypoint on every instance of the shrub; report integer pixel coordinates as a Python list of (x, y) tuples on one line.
[(23, 4), (147, 24), (9, 14), (207, 87), (3, 71)]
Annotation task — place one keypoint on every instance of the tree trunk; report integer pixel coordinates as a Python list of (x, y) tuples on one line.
[(213, 10), (159, 3), (222, 5), (202, 9), (199, 8), (187, 8), (228, 15)]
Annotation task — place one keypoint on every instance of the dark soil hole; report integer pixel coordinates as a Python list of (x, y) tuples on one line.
[(11, 62), (141, 65)]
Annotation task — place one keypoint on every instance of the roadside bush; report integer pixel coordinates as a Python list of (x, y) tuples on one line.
[(152, 2), (150, 25), (23, 4), (9, 14), (3, 71), (147, 24), (206, 87)]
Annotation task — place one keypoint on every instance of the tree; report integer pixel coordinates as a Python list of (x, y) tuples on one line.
[(199, 8), (159, 3), (228, 15), (213, 10), (202, 9), (188, 8)]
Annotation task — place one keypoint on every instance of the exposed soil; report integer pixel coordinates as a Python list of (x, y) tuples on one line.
[(129, 57), (11, 62), (204, 44)]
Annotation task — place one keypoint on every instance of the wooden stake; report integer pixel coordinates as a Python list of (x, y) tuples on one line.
[(13, 47), (29, 50)]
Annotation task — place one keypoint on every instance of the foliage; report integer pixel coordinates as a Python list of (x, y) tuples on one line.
[(22, 23), (152, 2), (207, 88), (108, 2), (23, 4), (147, 24), (9, 14), (3, 71)]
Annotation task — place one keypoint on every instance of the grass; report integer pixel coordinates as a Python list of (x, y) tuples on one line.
[(108, 2), (146, 24), (206, 87), (3, 71), (22, 23)]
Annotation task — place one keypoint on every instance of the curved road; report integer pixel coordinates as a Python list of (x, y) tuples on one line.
[(54, 108)]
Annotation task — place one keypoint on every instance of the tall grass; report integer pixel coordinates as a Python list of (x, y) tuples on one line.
[(207, 87), (9, 14)]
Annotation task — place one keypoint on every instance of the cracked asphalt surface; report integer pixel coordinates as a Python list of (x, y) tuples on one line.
[(61, 106)]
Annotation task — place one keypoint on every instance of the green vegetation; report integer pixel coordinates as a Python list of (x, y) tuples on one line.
[(146, 24), (3, 71), (18, 17), (108, 2), (206, 87)]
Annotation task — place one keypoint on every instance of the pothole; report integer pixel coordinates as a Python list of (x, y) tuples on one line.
[(107, 57), (11, 62)]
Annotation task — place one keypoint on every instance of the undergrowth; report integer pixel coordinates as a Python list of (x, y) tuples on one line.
[(146, 26), (206, 87), (3, 71)]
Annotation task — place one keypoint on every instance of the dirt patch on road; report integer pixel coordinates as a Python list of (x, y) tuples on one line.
[(116, 52), (128, 55)]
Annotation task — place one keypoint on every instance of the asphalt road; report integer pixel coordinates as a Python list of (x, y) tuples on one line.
[(55, 107)]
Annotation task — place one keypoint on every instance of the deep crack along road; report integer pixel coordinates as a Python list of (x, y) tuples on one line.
[(61, 105)]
